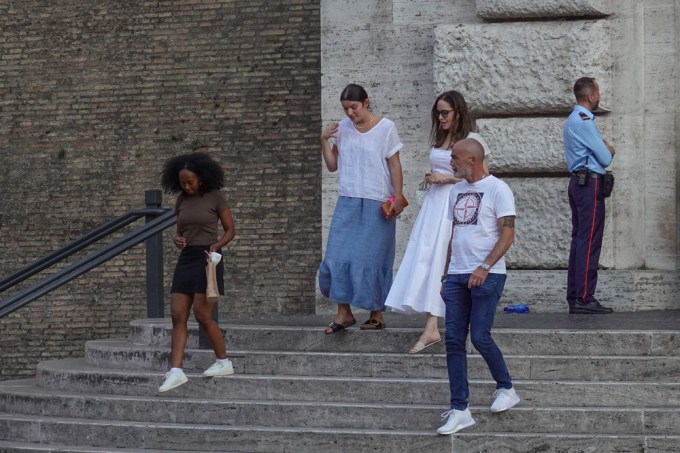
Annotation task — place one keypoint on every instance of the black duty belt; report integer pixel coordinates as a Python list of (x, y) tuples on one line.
[(590, 174)]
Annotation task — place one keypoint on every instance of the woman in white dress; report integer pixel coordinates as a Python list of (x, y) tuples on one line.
[(416, 287)]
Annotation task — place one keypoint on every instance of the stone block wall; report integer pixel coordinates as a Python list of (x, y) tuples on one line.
[(93, 99), (520, 68), (516, 62), (387, 47), (518, 74), (523, 9)]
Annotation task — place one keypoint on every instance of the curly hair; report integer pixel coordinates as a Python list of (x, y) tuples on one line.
[(207, 169)]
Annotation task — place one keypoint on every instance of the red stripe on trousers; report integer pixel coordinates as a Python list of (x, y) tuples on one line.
[(590, 241)]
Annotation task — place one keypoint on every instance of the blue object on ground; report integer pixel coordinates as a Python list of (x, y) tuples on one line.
[(519, 308)]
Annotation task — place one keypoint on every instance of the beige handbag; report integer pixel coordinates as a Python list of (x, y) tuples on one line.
[(212, 293)]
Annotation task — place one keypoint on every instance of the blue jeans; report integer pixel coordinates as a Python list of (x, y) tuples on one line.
[(472, 308)]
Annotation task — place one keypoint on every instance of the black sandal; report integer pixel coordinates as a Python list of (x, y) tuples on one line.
[(373, 324), (337, 327)]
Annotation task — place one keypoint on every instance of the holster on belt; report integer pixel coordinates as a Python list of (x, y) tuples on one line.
[(607, 184)]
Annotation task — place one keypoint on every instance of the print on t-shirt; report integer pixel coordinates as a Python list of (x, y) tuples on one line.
[(466, 208)]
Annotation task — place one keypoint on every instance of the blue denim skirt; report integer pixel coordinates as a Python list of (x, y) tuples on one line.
[(357, 267)]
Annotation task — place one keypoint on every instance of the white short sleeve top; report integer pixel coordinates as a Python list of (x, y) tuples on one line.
[(440, 159), (363, 171)]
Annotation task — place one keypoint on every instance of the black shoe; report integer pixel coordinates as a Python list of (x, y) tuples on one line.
[(571, 301), (586, 308)]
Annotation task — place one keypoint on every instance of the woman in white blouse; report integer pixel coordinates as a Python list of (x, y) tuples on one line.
[(357, 267)]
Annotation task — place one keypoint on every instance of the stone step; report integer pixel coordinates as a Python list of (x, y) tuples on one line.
[(624, 290), (120, 354), (399, 339), (171, 436), (76, 375), (32, 447), (25, 398)]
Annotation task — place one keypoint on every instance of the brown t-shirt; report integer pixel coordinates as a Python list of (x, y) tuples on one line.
[(198, 215)]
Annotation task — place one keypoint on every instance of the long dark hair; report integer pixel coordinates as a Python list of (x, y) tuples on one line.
[(353, 92), (463, 125), (208, 171)]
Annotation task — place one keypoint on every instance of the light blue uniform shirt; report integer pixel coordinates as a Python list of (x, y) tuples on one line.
[(583, 142)]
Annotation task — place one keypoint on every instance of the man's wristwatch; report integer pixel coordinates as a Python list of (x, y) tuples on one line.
[(485, 267)]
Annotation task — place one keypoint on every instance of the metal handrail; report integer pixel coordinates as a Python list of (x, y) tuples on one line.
[(30, 293), (93, 236), (157, 220)]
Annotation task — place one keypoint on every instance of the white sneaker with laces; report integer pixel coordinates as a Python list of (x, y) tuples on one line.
[(173, 379), (457, 421), (220, 368), (505, 399)]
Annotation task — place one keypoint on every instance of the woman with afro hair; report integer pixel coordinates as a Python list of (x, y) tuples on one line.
[(199, 207)]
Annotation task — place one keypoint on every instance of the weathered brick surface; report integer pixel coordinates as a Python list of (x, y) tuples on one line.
[(94, 98)]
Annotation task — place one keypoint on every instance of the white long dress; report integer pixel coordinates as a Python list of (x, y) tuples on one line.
[(415, 288)]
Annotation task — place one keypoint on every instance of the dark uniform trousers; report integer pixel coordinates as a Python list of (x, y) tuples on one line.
[(587, 218)]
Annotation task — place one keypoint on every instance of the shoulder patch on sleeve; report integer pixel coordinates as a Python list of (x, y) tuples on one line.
[(583, 116)]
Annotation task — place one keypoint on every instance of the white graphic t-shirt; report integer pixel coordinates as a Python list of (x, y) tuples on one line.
[(474, 210)]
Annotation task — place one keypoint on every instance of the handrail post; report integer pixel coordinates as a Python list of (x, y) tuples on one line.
[(154, 260)]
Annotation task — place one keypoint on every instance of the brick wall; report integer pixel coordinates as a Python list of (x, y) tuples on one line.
[(93, 99)]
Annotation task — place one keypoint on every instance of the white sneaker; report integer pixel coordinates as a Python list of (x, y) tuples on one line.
[(457, 421), (505, 399), (220, 368), (173, 379)]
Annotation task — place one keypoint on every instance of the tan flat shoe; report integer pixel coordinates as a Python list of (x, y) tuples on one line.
[(419, 346)]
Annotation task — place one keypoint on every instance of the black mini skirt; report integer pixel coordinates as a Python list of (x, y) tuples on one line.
[(189, 276)]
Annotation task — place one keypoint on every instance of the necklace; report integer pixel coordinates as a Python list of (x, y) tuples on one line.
[(368, 126)]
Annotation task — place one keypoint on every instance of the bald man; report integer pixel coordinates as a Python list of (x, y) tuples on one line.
[(482, 209)]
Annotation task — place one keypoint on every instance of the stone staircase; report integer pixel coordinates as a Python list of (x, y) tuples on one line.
[(297, 390)]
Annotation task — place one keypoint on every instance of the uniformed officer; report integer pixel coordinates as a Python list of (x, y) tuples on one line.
[(587, 157)]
